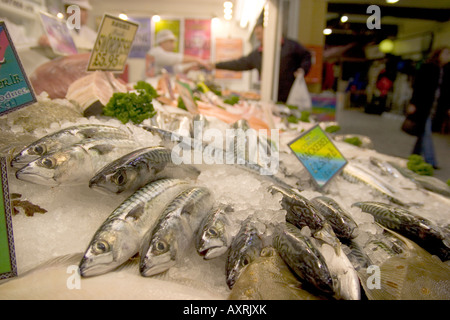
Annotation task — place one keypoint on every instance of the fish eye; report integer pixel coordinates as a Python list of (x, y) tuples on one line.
[(101, 247), (39, 149), (245, 261), (120, 178), (161, 246), (49, 162), (213, 232)]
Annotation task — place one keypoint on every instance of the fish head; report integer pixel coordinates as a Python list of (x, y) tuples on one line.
[(239, 258), (115, 180), (212, 241), (158, 254), (29, 154), (52, 169), (107, 250)]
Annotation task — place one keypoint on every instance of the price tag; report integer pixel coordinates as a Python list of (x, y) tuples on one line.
[(187, 96), (8, 267), (113, 44), (58, 35), (318, 155), (15, 89)]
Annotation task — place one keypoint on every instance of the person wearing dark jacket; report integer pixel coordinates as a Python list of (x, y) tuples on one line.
[(430, 93), (293, 56)]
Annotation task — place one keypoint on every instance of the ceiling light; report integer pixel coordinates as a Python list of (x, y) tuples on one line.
[(228, 4), (60, 15), (344, 19), (123, 16), (156, 18), (391, 1), (327, 31)]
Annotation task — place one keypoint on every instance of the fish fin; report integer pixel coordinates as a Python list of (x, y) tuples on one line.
[(136, 212), (103, 148)]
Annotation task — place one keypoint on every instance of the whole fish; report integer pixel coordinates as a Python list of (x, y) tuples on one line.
[(245, 248), (354, 174), (75, 164), (301, 255), (213, 237), (120, 235), (340, 220), (407, 272), (269, 278), (300, 211), (420, 230), (164, 244), (136, 169), (63, 138), (427, 182)]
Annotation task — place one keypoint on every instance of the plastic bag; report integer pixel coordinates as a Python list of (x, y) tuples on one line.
[(299, 95)]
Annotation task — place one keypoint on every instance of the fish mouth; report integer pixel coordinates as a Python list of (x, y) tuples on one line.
[(103, 189), (213, 252), (157, 264), (90, 267), (26, 174)]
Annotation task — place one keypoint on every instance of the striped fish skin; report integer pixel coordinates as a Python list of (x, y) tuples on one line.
[(75, 164), (120, 235), (300, 211), (425, 233), (132, 170), (213, 237), (163, 245), (301, 255), (63, 138), (342, 223), (245, 248)]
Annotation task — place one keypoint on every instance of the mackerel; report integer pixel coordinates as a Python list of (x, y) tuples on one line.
[(137, 168), (65, 137), (75, 164), (163, 245), (425, 233), (121, 234)]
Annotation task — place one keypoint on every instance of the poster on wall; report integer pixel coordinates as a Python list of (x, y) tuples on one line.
[(142, 40), (171, 24), (197, 38), (227, 49), (58, 35), (315, 73)]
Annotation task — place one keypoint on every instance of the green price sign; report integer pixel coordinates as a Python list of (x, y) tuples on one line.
[(7, 256)]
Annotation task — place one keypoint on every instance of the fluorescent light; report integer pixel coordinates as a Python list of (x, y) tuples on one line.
[(391, 1), (228, 16), (228, 4), (327, 31)]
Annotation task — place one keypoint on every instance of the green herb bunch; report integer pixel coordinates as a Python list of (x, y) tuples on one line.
[(131, 106)]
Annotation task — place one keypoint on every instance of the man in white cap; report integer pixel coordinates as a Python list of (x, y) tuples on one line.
[(83, 37), (163, 56)]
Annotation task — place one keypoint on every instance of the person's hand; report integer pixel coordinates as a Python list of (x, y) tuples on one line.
[(411, 109), (205, 64)]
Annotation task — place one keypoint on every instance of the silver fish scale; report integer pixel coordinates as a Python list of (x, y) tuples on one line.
[(144, 195)]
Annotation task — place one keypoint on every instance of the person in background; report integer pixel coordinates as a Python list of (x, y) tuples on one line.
[(163, 56), (84, 37), (294, 59), (430, 92)]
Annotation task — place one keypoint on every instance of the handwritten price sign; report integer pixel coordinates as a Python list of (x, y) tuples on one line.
[(114, 40), (318, 154)]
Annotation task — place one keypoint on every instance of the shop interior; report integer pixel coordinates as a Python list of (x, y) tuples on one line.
[(365, 58)]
